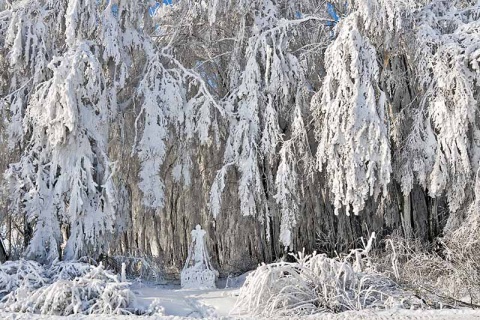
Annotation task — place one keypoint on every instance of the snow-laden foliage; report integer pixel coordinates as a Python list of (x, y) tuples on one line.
[(127, 122), (25, 274), (438, 43), (448, 68), (64, 288), (64, 123), (384, 19), (270, 85), (316, 283), (172, 96), (63, 100), (354, 146)]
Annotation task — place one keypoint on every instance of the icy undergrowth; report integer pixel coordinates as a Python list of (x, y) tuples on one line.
[(447, 276), (64, 288), (316, 283)]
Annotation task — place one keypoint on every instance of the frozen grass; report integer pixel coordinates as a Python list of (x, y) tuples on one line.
[(447, 276)]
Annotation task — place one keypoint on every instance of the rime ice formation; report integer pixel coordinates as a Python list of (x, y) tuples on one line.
[(198, 273)]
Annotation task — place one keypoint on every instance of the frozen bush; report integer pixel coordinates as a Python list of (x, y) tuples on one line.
[(61, 270), (316, 283), (21, 274), (445, 275), (156, 308), (65, 288)]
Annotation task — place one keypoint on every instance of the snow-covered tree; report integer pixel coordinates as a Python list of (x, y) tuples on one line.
[(351, 124), (67, 65), (128, 121), (267, 100), (438, 149)]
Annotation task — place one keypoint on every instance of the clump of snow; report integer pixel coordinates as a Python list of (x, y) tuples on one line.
[(63, 289)]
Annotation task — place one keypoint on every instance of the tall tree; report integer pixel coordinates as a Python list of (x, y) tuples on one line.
[(136, 121)]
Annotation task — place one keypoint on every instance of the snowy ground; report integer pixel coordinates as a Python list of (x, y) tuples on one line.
[(188, 303), (219, 304)]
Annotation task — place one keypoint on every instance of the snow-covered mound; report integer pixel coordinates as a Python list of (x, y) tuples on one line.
[(64, 288)]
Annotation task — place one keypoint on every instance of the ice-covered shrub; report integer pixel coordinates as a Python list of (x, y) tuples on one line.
[(156, 308), (447, 274), (21, 275), (61, 270), (316, 283), (65, 288)]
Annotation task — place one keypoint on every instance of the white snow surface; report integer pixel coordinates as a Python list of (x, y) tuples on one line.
[(177, 303), (207, 303)]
